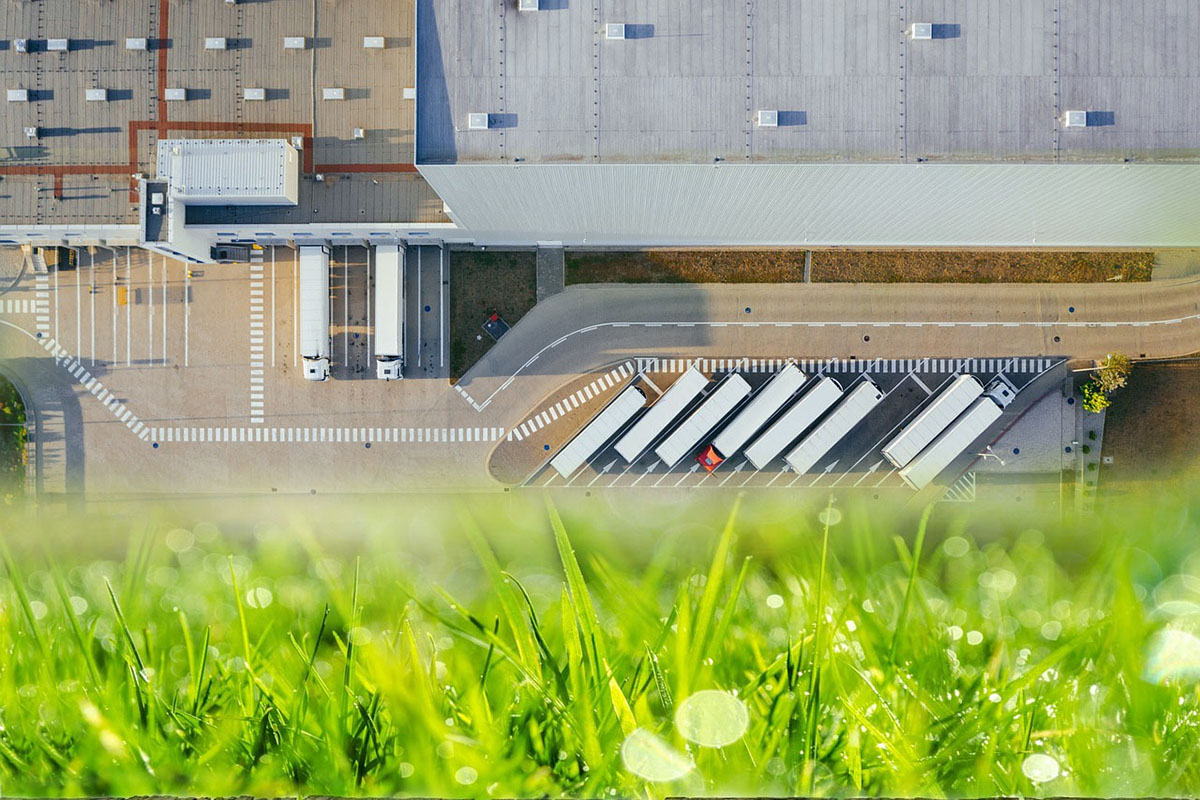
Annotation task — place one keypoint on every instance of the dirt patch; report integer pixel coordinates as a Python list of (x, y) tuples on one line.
[(483, 283), (1152, 429), (856, 266)]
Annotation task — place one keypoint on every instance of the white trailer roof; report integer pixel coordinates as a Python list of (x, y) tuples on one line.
[(769, 399), (665, 409), (951, 443), (937, 416), (710, 412), (853, 408), (795, 421), (389, 300), (314, 302), (230, 171), (598, 431)]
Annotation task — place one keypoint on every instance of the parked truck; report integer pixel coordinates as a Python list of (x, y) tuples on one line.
[(954, 440), (669, 406), (389, 312), (853, 409), (314, 312), (935, 418), (766, 403), (598, 432), (700, 422), (798, 418)]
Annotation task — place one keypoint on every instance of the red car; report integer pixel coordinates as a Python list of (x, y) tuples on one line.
[(710, 459)]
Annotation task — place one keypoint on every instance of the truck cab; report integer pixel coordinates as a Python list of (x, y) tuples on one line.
[(316, 369), (389, 368)]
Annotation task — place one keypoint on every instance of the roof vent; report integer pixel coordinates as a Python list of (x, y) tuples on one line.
[(176, 94), (18, 95), (255, 93), (337, 93), (216, 43), (137, 43), (294, 43), (1075, 119), (528, 5), (921, 30), (614, 30), (410, 93), (359, 133), (298, 142), (32, 132), (373, 42), (768, 118), (478, 121), (97, 95), (58, 45)]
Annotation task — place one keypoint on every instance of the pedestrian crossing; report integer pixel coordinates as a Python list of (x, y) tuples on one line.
[(257, 358), (841, 365), (19, 305), (76, 370), (561, 408), (322, 435)]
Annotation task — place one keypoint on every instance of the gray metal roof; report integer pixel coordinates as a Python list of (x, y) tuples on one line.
[(1045, 205), (849, 83)]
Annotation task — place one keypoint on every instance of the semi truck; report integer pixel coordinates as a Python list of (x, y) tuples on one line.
[(851, 410), (314, 312), (750, 419), (958, 436), (672, 403), (700, 422), (389, 312), (935, 418), (798, 418), (598, 432)]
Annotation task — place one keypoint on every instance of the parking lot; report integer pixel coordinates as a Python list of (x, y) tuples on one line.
[(855, 461)]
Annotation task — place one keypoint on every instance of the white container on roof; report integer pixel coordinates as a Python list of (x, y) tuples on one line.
[(18, 95), (254, 93), (373, 42), (215, 43), (96, 95), (295, 43), (135, 43), (921, 30), (176, 94), (58, 45), (333, 93), (255, 172)]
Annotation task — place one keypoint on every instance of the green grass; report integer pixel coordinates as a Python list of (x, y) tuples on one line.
[(483, 283), (12, 443), (512, 649)]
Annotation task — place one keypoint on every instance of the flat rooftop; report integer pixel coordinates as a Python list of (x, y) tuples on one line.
[(847, 81), (78, 168)]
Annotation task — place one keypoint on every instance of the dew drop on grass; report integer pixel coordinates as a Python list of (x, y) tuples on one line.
[(974, 638), (651, 758), (180, 540), (406, 769), (1173, 655), (78, 604), (1040, 768), (712, 718), (38, 608), (955, 633), (956, 547), (774, 601), (466, 775), (259, 597), (830, 516)]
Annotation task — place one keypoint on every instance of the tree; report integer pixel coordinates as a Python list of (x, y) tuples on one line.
[(1114, 373), (1094, 399)]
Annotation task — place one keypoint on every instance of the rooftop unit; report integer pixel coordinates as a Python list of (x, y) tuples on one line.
[(768, 119), (921, 30), (58, 45), (295, 43), (136, 43), (18, 95), (1075, 119), (176, 94), (614, 30), (478, 121), (254, 172), (254, 93), (528, 5), (373, 42), (216, 43), (96, 95), (333, 93), (31, 132)]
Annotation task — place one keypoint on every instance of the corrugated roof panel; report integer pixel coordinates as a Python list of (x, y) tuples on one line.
[(230, 171)]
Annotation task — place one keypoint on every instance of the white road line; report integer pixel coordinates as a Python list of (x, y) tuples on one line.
[(114, 304), (92, 288), (443, 324), (78, 306), (272, 306), (164, 311), (128, 308)]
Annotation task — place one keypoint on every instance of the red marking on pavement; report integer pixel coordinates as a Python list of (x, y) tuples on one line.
[(366, 168)]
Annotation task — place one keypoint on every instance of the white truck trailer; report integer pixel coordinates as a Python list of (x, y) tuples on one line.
[(597, 432), (765, 404), (958, 436), (389, 312), (796, 420), (314, 312), (950, 443), (672, 403), (853, 409), (700, 422), (935, 418)]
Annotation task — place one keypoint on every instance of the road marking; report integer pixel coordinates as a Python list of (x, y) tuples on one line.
[(257, 361)]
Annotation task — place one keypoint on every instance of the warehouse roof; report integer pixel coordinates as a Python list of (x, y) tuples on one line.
[(847, 80)]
